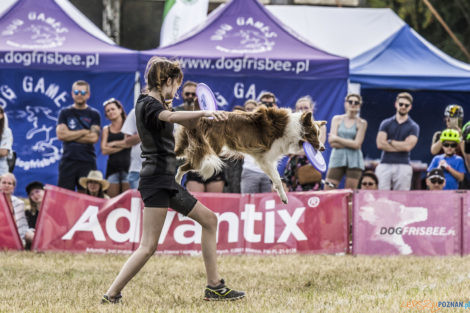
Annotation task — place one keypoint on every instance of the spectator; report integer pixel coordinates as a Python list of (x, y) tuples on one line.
[(194, 182), (95, 185), (452, 164), (253, 179), (7, 186), (453, 118), (435, 179), (189, 97), (368, 181), (397, 136), (238, 108), (78, 127), (346, 137), (6, 142), (299, 174), (250, 105), (113, 144), (35, 192), (268, 99), (132, 139)]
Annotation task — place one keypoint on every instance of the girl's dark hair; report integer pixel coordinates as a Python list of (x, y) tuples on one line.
[(157, 72), (368, 174), (119, 106), (100, 193), (2, 121)]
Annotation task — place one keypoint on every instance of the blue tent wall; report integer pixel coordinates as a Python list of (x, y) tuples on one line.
[(428, 112), (27, 98)]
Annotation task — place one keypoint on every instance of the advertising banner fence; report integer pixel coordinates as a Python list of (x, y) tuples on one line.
[(312, 222), (9, 237), (407, 222)]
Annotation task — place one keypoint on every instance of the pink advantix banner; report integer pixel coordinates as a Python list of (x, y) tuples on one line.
[(312, 222), (407, 222), (9, 237)]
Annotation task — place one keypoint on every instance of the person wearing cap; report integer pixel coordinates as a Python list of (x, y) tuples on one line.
[(435, 179), (453, 118), (94, 184), (35, 192), (452, 165)]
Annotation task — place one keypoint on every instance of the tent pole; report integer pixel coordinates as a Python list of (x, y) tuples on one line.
[(448, 30)]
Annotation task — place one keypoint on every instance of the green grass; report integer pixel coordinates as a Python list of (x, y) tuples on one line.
[(60, 282)]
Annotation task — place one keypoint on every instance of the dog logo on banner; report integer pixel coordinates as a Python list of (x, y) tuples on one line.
[(35, 31), (33, 118), (388, 214), (247, 35)]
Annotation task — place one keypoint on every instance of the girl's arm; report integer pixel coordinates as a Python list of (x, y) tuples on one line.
[(333, 135), (106, 148), (357, 142), (186, 118)]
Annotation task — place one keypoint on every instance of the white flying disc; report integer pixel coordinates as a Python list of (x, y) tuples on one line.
[(206, 97), (315, 157)]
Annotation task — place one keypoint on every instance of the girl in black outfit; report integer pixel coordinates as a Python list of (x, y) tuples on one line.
[(154, 119)]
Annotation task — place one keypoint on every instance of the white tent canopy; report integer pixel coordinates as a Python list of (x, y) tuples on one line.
[(346, 32)]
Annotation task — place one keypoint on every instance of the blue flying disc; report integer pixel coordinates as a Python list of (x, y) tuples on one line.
[(206, 97), (315, 157)]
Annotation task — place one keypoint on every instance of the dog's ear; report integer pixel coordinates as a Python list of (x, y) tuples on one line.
[(321, 123), (307, 118)]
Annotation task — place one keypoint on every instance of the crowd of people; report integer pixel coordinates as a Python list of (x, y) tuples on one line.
[(79, 128)]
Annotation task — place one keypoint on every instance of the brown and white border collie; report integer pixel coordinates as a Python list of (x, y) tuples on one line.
[(266, 134)]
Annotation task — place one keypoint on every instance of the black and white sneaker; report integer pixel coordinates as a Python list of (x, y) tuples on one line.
[(111, 300), (222, 293)]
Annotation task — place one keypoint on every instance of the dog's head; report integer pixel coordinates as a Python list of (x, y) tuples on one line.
[(311, 131)]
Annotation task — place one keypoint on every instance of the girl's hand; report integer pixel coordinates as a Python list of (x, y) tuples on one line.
[(217, 115)]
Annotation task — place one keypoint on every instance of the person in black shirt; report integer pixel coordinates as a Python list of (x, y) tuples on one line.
[(159, 190), (78, 127)]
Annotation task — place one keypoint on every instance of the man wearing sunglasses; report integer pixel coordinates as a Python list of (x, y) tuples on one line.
[(397, 136), (189, 97), (268, 99), (78, 127), (435, 179), (449, 162)]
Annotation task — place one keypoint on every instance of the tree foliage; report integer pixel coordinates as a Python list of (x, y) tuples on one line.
[(456, 13)]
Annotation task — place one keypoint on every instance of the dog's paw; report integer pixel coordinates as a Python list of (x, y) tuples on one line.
[(284, 200)]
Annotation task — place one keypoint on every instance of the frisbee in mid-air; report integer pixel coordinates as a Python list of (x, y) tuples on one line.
[(315, 157), (206, 97)]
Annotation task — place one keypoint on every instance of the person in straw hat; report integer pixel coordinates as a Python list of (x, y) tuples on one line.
[(94, 184)]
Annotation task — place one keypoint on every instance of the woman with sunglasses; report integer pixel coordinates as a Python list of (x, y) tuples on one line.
[(368, 181), (452, 164), (114, 145), (5, 143), (346, 137)]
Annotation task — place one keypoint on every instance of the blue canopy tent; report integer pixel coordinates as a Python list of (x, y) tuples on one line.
[(243, 50), (44, 47), (386, 57)]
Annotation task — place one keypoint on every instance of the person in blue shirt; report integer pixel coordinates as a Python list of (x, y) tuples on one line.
[(452, 164)]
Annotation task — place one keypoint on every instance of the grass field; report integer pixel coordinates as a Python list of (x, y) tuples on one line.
[(59, 282)]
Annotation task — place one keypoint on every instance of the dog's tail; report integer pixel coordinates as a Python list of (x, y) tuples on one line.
[(210, 165), (200, 154)]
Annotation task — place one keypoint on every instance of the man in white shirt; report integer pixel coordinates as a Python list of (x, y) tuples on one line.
[(129, 129)]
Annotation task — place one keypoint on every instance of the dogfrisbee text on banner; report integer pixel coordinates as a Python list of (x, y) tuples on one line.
[(407, 222)]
